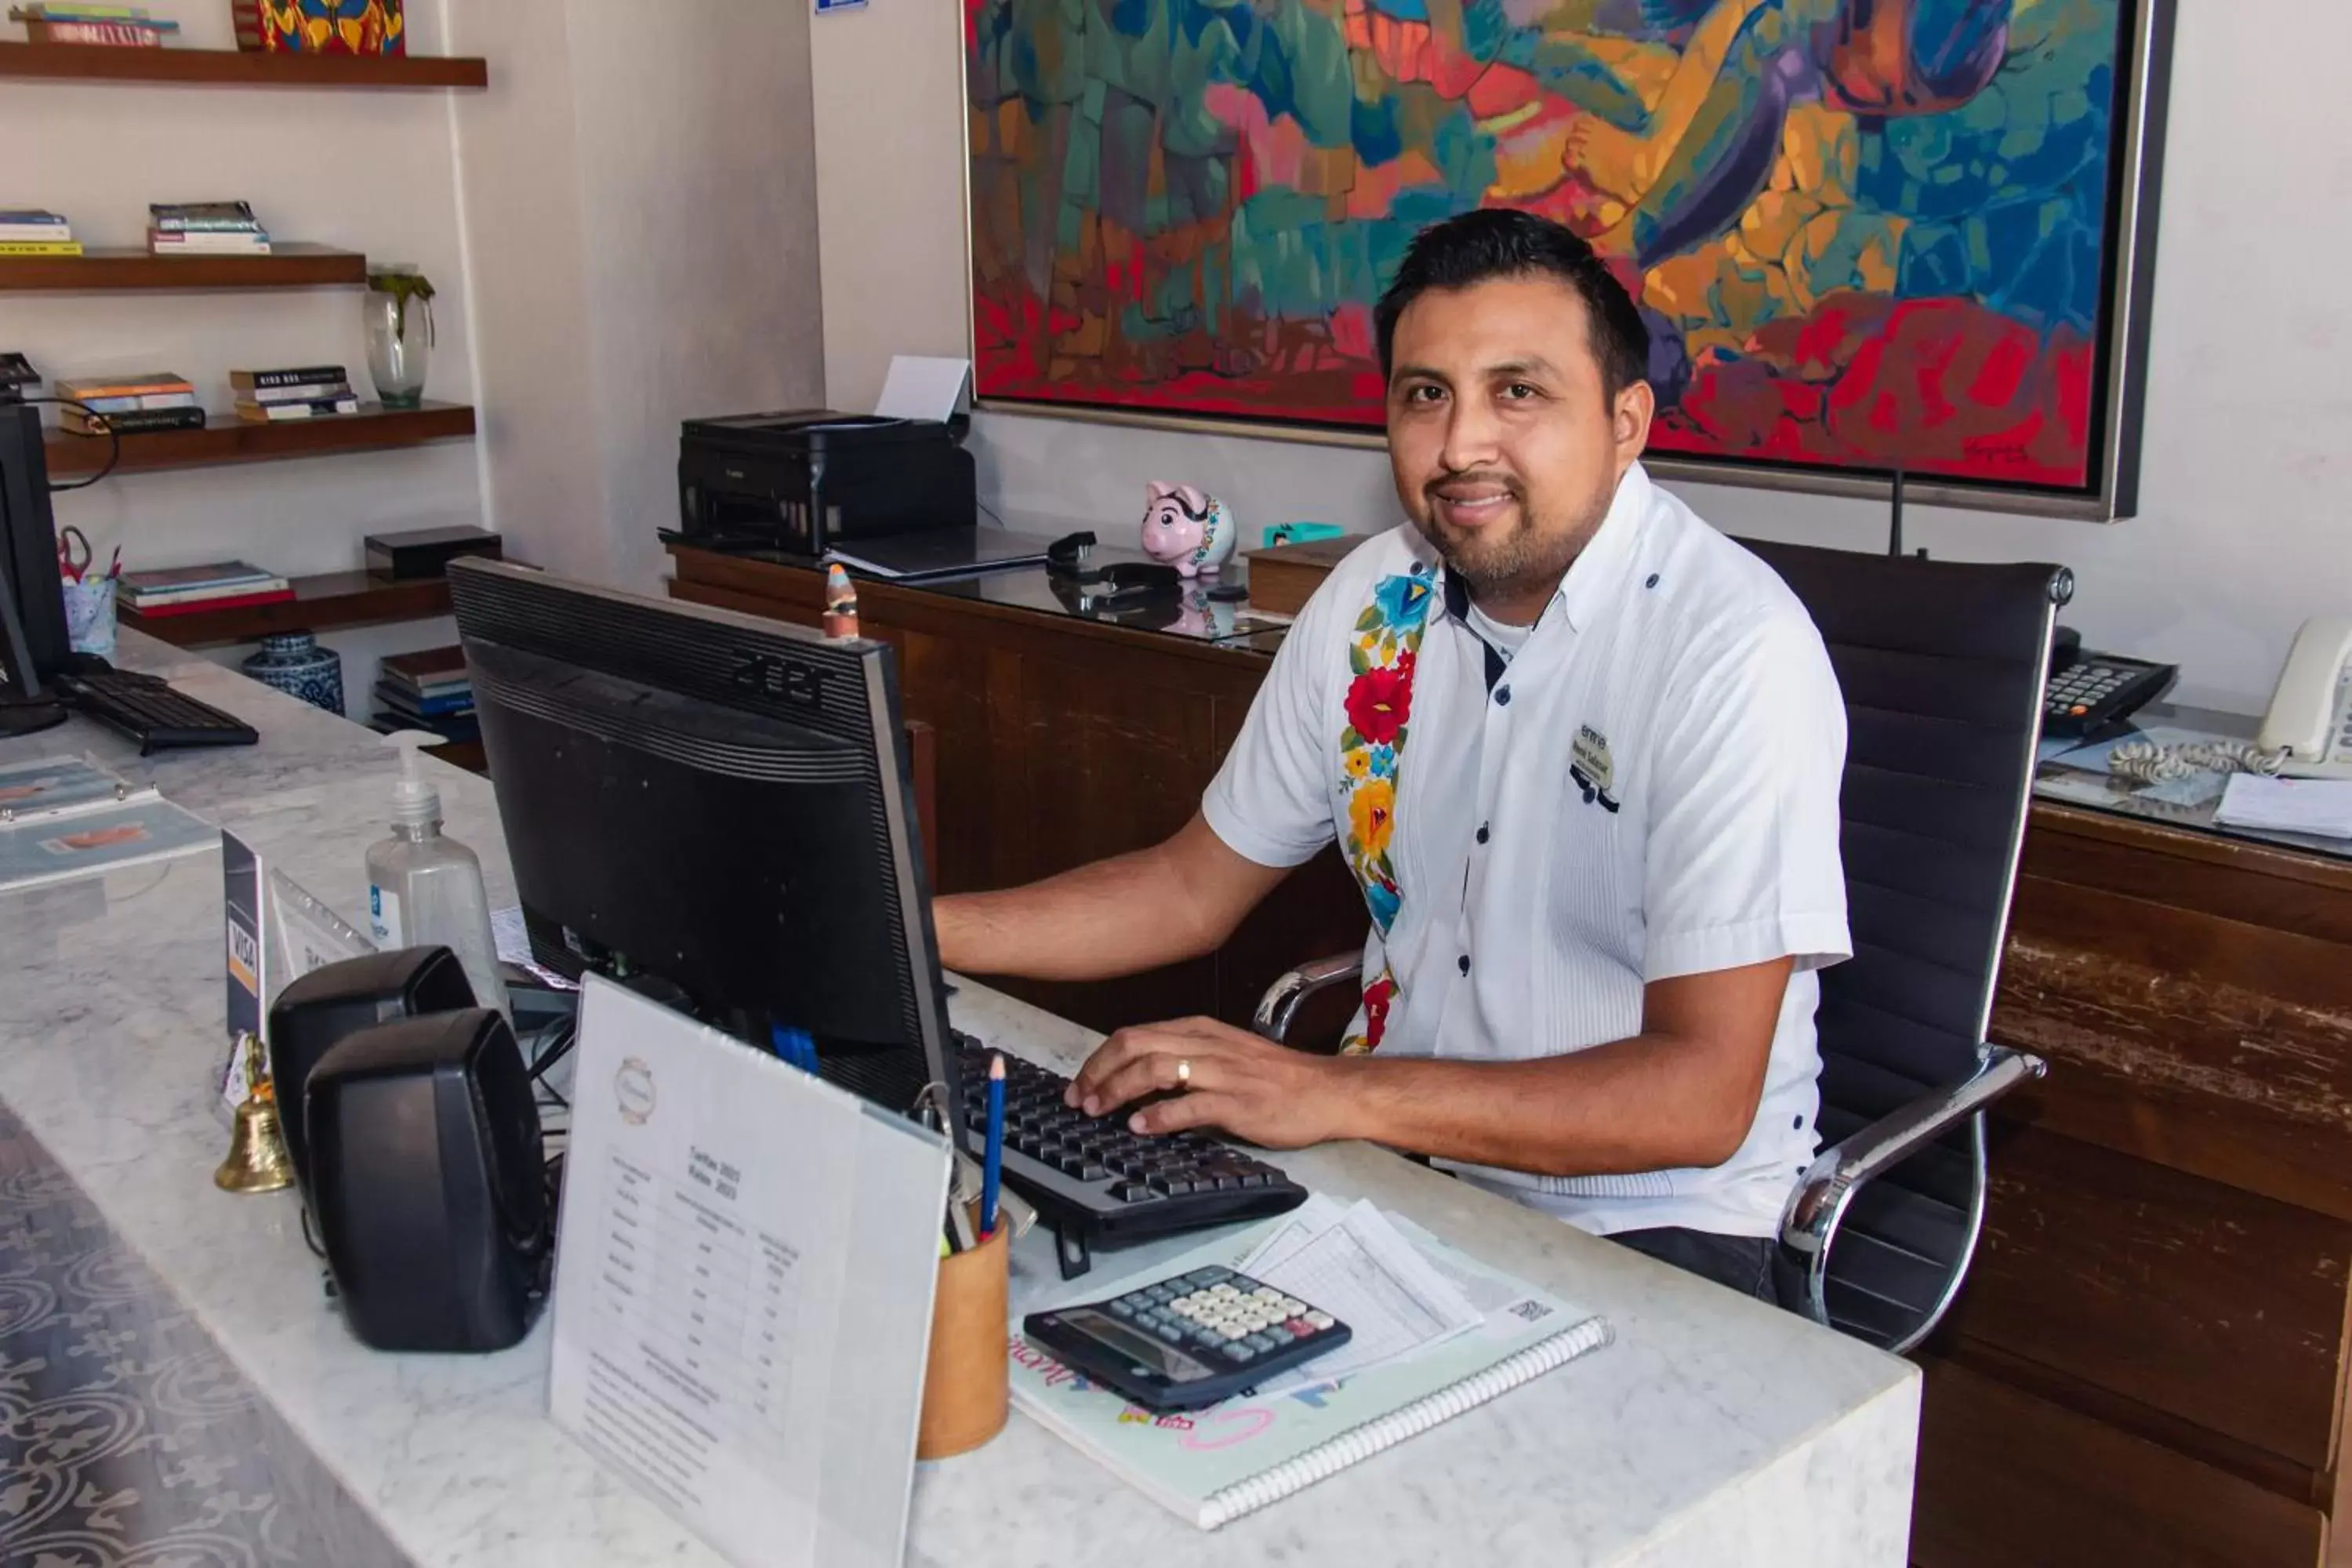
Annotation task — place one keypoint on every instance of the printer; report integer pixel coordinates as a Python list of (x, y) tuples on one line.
[(806, 481)]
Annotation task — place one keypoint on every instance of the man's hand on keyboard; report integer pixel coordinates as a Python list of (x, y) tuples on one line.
[(1212, 1075)]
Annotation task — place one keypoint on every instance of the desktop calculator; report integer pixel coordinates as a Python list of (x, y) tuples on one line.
[(1188, 1341)]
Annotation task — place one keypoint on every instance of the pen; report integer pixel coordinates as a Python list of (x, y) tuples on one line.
[(992, 1171)]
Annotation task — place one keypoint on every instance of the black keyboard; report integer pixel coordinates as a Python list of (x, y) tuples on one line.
[(1095, 1181), (146, 709)]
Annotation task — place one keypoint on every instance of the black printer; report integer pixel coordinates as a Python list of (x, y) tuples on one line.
[(804, 480)]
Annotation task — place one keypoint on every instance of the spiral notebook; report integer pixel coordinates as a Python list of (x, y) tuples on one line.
[(1215, 1465)]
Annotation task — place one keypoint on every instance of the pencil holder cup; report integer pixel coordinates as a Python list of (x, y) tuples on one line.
[(965, 1388), (90, 615)]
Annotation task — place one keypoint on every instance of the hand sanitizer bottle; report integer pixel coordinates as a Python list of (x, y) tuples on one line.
[(425, 889)]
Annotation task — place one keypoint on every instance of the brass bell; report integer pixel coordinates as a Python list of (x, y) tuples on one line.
[(257, 1161)]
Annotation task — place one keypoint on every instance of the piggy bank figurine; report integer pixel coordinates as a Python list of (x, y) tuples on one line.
[(1187, 528)]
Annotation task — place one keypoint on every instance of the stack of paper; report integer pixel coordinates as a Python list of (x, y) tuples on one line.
[(2287, 805), (1353, 1263)]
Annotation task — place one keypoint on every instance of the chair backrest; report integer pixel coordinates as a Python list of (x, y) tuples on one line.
[(1942, 665)]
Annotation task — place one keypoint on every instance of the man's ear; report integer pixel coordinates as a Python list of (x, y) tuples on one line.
[(1630, 423)]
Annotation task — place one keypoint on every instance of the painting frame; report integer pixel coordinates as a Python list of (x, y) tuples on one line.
[(2111, 489)]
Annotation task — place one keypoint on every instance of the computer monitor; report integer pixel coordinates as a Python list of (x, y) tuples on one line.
[(33, 641), (714, 808)]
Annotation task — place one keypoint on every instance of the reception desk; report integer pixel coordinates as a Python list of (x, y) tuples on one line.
[(1713, 1430), (2148, 1362)]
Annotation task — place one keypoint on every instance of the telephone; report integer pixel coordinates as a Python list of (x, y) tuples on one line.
[(2310, 717)]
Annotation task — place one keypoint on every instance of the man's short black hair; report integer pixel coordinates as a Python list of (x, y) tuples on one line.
[(1502, 242)]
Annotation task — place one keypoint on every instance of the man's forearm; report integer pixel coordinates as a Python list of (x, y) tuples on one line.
[(1649, 1103), (1175, 901)]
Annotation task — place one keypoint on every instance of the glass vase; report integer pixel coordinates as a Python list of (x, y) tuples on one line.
[(399, 314)]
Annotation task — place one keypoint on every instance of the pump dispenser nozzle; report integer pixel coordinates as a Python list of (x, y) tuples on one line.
[(414, 803)]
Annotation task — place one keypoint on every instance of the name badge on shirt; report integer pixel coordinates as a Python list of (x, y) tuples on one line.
[(1589, 766)]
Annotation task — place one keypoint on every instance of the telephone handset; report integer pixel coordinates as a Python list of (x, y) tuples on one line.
[(2310, 717)]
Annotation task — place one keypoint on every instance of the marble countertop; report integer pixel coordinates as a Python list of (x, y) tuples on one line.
[(1714, 1430)]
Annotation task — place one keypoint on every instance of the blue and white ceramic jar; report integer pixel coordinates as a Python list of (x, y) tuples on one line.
[(294, 663)]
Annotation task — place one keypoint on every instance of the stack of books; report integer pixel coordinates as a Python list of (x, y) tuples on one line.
[(427, 690), (301, 392), (205, 228), (219, 585), (130, 405), (31, 231), (113, 27)]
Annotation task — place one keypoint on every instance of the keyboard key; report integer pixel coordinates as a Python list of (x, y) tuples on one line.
[(1133, 1191), (1091, 1172)]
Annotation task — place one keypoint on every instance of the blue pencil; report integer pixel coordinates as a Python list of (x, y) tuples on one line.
[(992, 1166)]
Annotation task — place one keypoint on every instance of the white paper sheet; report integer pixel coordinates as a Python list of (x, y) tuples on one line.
[(920, 388), (2287, 805), (1356, 1266), (743, 1288)]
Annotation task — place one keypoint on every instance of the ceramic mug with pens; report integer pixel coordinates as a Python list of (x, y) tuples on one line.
[(88, 595)]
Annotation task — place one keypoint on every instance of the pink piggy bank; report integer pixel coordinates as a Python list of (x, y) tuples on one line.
[(1187, 529)]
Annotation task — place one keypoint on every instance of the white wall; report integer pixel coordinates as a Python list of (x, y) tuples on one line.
[(638, 191), (369, 172), (2242, 529)]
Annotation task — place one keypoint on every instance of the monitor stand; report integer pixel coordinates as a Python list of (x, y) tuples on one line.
[(24, 707), (28, 715)]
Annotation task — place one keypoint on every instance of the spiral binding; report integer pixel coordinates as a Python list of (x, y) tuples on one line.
[(1360, 1443), (2146, 762)]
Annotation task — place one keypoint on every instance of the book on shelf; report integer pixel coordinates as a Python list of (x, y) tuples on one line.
[(36, 225), (449, 705), (131, 384), (171, 215), (427, 667), (204, 577), (308, 392), (134, 422), (277, 413), (268, 383), (220, 602), (147, 35), (131, 401), (40, 248), (162, 244)]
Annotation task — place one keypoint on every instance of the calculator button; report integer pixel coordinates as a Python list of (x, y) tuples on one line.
[(1268, 1294), (1123, 1307), (1172, 1332), (1300, 1328), (1222, 1289), (1320, 1320), (1292, 1306), (1240, 1352), (1264, 1341), (1235, 1333)]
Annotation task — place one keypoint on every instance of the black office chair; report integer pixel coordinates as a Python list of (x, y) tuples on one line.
[(1942, 665)]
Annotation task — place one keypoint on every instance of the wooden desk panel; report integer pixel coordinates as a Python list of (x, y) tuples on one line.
[(2148, 1362)]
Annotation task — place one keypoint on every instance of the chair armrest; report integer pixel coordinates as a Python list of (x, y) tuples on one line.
[(1282, 1000), (1811, 1219)]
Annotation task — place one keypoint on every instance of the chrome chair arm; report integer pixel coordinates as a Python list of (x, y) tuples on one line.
[(1280, 1005), (1810, 1222)]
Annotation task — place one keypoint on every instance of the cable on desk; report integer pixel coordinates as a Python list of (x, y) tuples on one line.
[(2143, 761)]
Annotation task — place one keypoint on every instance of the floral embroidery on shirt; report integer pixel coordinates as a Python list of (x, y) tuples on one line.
[(1381, 660)]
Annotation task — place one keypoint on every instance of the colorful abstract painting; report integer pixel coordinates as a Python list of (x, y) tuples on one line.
[(1866, 234)]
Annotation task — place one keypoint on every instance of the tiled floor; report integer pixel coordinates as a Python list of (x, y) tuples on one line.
[(126, 1441)]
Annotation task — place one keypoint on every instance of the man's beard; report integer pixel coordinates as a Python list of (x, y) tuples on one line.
[(1528, 557)]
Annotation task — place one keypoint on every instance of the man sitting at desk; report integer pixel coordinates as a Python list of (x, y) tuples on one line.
[(1583, 756)]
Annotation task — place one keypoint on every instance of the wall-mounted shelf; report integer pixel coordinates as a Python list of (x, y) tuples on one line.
[(289, 266), (228, 439), (237, 67), (332, 601)]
